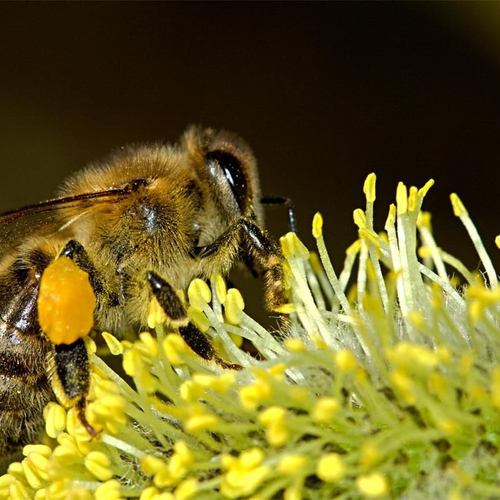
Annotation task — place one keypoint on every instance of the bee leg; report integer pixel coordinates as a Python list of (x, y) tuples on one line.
[(265, 257), (76, 252), (69, 371), (173, 308), (260, 253)]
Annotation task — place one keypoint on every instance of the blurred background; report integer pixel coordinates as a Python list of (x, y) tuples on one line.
[(325, 93)]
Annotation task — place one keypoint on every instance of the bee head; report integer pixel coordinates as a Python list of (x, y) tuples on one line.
[(226, 164)]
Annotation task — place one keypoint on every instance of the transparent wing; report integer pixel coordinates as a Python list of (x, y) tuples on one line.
[(52, 216)]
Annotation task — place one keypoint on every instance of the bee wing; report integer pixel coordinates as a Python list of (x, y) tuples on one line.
[(51, 216)]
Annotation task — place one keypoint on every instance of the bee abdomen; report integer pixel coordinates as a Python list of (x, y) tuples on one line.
[(24, 390), (22, 355)]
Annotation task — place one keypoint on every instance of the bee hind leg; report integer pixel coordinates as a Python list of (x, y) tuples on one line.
[(173, 308)]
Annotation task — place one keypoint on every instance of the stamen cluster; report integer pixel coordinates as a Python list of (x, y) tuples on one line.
[(383, 382)]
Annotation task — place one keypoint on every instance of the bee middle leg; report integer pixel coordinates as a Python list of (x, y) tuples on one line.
[(173, 308)]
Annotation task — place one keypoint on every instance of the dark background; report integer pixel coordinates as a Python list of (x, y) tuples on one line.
[(324, 93)]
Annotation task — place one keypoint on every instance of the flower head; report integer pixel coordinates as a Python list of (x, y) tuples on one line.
[(384, 381)]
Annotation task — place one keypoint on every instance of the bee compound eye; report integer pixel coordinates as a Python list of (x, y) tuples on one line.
[(225, 167)]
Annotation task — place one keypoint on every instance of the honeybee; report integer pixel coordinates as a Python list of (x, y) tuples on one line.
[(141, 224)]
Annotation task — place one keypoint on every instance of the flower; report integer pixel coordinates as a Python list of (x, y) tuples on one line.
[(384, 382)]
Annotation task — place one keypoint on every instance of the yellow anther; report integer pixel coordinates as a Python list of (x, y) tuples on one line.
[(132, 362), (424, 252), (240, 481), (234, 306), (325, 410), (278, 370), (251, 458), (110, 490), (444, 354), (104, 387), (424, 220), (402, 198), (31, 475), (407, 355), (295, 345), (66, 454), (425, 189), (147, 380), (317, 225), (369, 187), (218, 383), (497, 241), (98, 464), (55, 419), (150, 343), (292, 492), (291, 245), (413, 199), (318, 341), (391, 217), (354, 248), (272, 415), (90, 345), (290, 465), (199, 319), (220, 288), (359, 218), (199, 423), (345, 361), (253, 395), (6, 480), (315, 262), (199, 294), (404, 384), (183, 452), (372, 485), (370, 236), (330, 468), (458, 207), (370, 455), (151, 465), (186, 489), (40, 449), (151, 493), (174, 346), (156, 315), (114, 345)]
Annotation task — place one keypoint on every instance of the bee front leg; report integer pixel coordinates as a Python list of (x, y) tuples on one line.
[(265, 257), (260, 253), (173, 308), (69, 372)]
